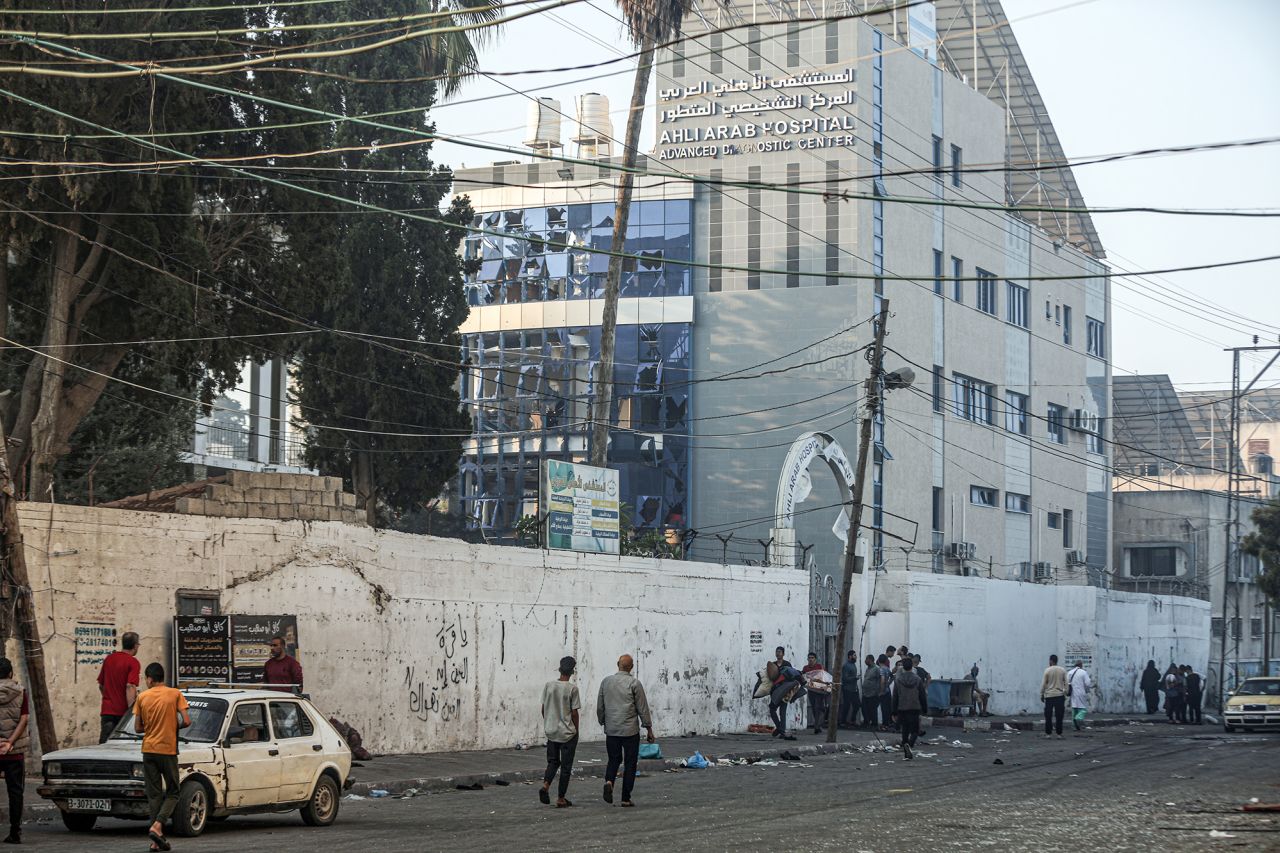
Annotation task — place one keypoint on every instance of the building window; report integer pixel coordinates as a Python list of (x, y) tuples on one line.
[(937, 157), (198, 602), (717, 53), (1017, 503), (1068, 518), (1255, 627), (982, 496), (1016, 299), (1066, 324), (1054, 520), (1215, 627), (1055, 420), (753, 48), (986, 291), (1152, 562), (1235, 627), (938, 271), (793, 44), (1096, 337), (973, 398), (956, 165), (1015, 413), (1093, 442), (938, 503), (957, 273), (939, 378)]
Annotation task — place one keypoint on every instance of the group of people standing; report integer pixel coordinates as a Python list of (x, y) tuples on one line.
[(1183, 690), (1057, 687)]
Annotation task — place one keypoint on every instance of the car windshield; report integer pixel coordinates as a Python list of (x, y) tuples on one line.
[(207, 714), (1259, 687)]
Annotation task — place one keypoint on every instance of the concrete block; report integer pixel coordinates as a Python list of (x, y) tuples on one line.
[(301, 497), (332, 484), (346, 499), (328, 498), (243, 479), (189, 506), (255, 510), (315, 498)]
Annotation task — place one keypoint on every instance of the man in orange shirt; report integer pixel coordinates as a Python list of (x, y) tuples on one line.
[(156, 714)]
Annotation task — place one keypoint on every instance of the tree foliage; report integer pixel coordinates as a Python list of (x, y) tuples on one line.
[(110, 241), (1264, 543)]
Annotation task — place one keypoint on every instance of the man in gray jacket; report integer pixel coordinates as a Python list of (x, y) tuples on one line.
[(621, 708), (909, 700)]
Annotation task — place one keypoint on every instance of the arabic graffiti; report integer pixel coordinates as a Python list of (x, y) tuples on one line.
[(437, 692)]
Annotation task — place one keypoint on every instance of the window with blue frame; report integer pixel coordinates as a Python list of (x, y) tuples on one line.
[(546, 253)]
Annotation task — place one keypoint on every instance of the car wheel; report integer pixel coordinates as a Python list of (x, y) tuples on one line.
[(322, 808), (192, 814), (77, 822)]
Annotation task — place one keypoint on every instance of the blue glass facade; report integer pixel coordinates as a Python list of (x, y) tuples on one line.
[(540, 254), (530, 391)]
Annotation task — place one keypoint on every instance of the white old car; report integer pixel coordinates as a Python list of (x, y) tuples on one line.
[(246, 751)]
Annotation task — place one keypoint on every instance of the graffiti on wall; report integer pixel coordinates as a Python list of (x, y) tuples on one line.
[(437, 690)]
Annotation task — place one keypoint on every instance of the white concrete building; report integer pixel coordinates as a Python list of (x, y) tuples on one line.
[(802, 172)]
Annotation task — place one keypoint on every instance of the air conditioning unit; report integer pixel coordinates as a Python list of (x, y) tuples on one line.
[(962, 550), (1076, 558), (1043, 571), (1083, 421)]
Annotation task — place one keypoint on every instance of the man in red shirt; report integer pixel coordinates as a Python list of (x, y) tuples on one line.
[(281, 669), (118, 683)]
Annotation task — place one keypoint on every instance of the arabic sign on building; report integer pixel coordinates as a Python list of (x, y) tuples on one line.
[(580, 504), (94, 642), (761, 114), (228, 648)]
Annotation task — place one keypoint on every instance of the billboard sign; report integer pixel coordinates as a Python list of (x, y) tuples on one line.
[(581, 508)]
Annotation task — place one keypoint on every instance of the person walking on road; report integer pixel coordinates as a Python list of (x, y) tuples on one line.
[(118, 683), (1150, 687), (909, 701), (14, 712), (282, 671), (817, 682), (871, 690), (560, 704), (849, 692), (621, 708), (1195, 696), (1053, 692), (1174, 685), (156, 715), (1078, 686)]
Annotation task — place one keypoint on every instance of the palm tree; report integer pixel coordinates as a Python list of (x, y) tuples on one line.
[(651, 23), (453, 54)]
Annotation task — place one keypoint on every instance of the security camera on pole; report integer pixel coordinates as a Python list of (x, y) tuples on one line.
[(876, 385)]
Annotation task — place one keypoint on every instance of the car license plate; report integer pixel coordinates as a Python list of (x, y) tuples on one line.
[(1254, 720), (81, 804)]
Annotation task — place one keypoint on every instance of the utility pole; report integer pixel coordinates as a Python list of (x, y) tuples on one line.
[(874, 396), (1230, 567), (24, 606)]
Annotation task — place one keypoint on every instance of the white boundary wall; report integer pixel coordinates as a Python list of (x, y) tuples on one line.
[(423, 644), (1010, 628)]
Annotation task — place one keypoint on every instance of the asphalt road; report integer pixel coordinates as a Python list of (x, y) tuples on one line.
[(1139, 789)]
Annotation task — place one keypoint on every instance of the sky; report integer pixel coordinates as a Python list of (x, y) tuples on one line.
[(1115, 75)]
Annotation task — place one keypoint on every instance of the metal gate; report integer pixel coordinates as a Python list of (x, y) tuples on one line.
[(824, 609)]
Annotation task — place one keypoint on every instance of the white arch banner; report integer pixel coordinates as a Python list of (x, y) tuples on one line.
[(795, 482)]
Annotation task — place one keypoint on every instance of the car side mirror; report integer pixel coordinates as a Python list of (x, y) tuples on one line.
[(235, 734)]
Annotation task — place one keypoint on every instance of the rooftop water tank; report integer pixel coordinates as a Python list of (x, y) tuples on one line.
[(595, 130), (544, 124)]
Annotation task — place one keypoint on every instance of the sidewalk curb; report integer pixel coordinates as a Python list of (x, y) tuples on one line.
[(448, 783)]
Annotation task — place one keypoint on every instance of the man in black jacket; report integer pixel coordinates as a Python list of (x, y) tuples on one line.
[(1150, 686), (909, 700), (1195, 695)]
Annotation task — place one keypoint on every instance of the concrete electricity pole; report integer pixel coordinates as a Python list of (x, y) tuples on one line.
[(24, 607), (874, 390), (1231, 566)]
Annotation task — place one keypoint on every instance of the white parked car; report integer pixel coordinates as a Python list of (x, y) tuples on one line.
[(246, 751)]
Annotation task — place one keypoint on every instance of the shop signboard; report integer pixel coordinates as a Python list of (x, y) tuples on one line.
[(251, 643), (201, 648), (580, 506)]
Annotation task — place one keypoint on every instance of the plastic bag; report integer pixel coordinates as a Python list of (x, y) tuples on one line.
[(697, 762), (650, 750)]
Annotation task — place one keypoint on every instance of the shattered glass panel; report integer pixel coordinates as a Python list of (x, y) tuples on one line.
[(648, 511)]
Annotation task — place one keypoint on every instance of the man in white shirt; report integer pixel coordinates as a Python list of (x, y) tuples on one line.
[(1078, 686), (560, 704)]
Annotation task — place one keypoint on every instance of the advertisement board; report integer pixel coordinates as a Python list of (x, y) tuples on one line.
[(580, 507), (228, 648)]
